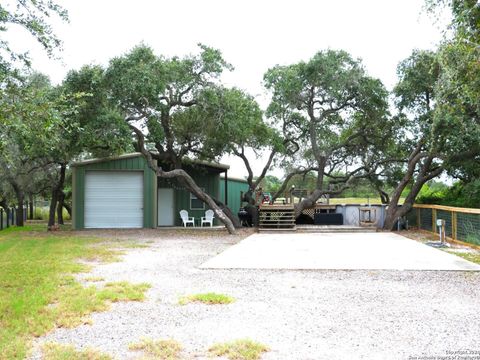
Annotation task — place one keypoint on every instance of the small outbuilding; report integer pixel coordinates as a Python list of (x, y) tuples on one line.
[(123, 192)]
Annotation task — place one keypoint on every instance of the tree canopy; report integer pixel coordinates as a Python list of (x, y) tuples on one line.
[(335, 112), (32, 16)]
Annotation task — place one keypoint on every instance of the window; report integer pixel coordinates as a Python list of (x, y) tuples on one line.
[(195, 203)]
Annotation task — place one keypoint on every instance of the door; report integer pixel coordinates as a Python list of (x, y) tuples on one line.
[(113, 199), (166, 207)]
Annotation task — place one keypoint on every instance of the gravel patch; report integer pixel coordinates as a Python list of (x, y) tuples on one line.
[(297, 314)]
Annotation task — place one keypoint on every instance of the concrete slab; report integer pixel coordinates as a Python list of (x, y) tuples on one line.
[(342, 251)]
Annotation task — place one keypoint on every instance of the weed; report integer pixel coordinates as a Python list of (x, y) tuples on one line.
[(159, 349), (53, 351), (242, 349), (208, 298)]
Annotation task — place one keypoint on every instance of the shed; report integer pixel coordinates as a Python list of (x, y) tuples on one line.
[(123, 192)]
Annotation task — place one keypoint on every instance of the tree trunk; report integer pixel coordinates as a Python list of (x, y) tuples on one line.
[(227, 211), (20, 196), (4, 205), (61, 200), (57, 192), (30, 206), (68, 207), (19, 211), (394, 211), (182, 176), (316, 194), (52, 209)]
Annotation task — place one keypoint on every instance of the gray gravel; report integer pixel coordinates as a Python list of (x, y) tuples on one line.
[(298, 314)]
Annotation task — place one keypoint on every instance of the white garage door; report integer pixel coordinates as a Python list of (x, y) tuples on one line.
[(113, 199)]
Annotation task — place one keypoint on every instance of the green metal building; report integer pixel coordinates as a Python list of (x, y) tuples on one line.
[(236, 187), (123, 192)]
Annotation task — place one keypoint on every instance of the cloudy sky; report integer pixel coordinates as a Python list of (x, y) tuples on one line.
[(253, 35)]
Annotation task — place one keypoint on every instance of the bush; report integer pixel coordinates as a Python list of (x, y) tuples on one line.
[(459, 194), (41, 213)]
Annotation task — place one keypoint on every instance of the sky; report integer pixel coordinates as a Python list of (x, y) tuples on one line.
[(252, 35)]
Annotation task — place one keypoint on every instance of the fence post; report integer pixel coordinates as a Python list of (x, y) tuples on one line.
[(1, 219), (454, 225), (434, 220), (419, 223)]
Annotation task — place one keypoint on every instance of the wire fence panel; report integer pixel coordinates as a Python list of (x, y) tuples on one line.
[(460, 223), (426, 219), (468, 228), (412, 217), (447, 216)]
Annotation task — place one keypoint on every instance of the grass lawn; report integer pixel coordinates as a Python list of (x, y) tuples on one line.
[(38, 290)]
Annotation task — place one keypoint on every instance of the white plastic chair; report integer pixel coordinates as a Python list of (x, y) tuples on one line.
[(208, 218), (186, 220)]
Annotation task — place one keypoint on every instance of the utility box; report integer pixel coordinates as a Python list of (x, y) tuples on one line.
[(441, 229)]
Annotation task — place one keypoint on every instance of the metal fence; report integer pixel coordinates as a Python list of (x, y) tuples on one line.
[(9, 217), (460, 223)]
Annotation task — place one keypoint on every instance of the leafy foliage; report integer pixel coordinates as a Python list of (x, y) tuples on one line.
[(33, 16), (335, 116), (459, 194)]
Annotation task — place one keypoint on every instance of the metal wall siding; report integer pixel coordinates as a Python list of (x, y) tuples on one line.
[(235, 188), (137, 163)]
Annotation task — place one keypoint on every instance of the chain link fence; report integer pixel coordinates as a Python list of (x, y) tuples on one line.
[(461, 224)]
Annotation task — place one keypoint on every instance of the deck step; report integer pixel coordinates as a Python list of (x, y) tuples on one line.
[(276, 217), (276, 230)]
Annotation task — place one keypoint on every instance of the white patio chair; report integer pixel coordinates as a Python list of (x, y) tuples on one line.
[(208, 218), (186, 220)]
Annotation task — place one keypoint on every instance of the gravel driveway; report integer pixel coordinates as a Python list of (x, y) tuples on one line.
[(298, 314)]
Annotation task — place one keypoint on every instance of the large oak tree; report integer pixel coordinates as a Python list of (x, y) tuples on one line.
[(160, 99), (336, 113)]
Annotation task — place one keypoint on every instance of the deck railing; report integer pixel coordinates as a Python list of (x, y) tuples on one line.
[(462, 224)]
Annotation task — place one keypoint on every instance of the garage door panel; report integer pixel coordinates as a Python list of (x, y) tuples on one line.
[(114, 199)]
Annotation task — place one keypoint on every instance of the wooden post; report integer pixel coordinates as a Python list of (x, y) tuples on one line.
[(454, 225), (434, 220), (419, 219), (443, 237)]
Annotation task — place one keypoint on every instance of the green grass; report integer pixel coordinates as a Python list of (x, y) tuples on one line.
[(373, 201), (207, 298), (123, 291), (53, 351), (93, 279), (158, 349), (38, 290), (470, 256), (242, 349)]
